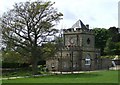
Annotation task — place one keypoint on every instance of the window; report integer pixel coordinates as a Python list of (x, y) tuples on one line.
[(87, 60), (67, 54), (52, 65), (88, 41)]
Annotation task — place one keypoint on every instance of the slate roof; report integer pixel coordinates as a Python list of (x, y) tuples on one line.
[(79, 24)]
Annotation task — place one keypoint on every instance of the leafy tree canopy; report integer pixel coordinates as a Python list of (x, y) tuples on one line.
[(27, 26), (113, 42), (101, 36)]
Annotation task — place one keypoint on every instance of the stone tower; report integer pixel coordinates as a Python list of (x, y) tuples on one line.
[(78, 52)]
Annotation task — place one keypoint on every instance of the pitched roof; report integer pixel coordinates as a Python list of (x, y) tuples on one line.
[(79, 24)]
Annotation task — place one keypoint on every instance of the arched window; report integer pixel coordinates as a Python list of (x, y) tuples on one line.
[(87, 60)]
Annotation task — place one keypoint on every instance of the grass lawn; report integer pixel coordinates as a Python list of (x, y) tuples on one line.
[(92, 77)]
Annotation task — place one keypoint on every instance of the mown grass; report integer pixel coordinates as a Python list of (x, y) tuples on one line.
[(89, 77)]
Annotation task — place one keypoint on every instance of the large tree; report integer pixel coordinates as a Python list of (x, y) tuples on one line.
[(27, 27), (113, 43), (101, 37)]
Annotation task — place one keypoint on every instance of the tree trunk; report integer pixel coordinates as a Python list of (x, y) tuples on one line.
[(34, 68), (34, 60), (34, 65)]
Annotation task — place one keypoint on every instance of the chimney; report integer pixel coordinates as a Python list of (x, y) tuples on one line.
[(87, 26)]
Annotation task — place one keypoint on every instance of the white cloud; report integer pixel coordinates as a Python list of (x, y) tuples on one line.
[(96, 13), (7, 4)]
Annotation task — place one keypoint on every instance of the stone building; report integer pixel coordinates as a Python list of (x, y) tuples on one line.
[(78, 52)]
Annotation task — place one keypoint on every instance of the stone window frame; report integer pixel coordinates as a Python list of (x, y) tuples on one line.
[(88, 60)]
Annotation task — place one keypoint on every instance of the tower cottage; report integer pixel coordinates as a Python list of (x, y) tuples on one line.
[(78, 53)]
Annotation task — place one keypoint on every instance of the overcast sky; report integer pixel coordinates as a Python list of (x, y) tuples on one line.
[(96, 13)]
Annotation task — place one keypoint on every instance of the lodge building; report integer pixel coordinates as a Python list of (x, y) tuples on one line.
[(78, 52)]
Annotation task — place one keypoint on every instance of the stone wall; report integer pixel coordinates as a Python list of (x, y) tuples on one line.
[(52, 64), (106, 63)]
